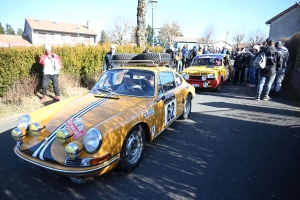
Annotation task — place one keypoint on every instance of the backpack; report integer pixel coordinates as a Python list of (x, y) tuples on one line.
[(260, 60)]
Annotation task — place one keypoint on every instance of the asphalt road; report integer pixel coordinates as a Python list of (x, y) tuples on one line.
[(232, 147)]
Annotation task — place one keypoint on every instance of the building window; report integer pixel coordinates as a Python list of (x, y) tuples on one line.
[(87, 39), (74, 38), (42, 35), (52, 36)]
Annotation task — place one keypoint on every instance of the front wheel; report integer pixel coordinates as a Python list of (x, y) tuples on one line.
[(187, 107), (132, 150)]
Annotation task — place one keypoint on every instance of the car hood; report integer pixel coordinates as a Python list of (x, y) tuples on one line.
[(200, 70), (93, 110)]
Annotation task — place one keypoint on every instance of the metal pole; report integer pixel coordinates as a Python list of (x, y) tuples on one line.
[(77, 34), (226, 38), (152, 30)]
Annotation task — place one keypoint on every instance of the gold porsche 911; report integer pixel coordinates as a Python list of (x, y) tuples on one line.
[(89, 135)]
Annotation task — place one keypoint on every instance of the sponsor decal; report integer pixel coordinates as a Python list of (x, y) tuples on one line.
[(149, 113), (76, 126), (153, 130)]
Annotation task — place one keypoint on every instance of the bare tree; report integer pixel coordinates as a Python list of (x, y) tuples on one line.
[(140, 30), (121, 31), (168, 33), (209, 33), (255, 37), (239, 36)]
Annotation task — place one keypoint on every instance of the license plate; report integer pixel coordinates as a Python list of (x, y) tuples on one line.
[(196, 85)]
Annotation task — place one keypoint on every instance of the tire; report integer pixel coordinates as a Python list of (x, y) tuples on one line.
[(155, 57), (187, 107), (124, 56), (132, 150), (220, 86)]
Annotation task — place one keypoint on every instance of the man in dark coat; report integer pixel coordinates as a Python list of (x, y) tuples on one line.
[(239, 66), (268, 74), (108, 57)]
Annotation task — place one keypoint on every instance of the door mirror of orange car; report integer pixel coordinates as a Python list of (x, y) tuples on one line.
[(161, 97)]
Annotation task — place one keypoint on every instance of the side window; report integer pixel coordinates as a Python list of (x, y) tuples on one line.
[(178, 79), (166, 81)]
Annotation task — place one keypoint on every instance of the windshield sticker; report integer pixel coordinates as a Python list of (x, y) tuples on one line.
[(149, 113), (76, 126)]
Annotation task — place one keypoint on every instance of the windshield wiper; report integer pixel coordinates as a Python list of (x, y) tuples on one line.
[(110, 92), (96, 91)]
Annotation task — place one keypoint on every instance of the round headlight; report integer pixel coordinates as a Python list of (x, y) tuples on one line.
[(35, 129), (203, 78), (73, 149), (24, 122), (18, 134), (92, 140), (63, 135)]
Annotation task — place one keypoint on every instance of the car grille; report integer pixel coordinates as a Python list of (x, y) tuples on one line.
[(199, 77), (73, 162)]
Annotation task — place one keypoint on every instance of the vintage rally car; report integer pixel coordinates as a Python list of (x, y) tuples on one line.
[(88, 135), (209, 71)]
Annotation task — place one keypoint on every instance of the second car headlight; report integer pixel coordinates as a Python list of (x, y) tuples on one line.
[(92, 140)]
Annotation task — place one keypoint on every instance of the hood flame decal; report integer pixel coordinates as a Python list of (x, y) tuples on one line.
[(48, 140)]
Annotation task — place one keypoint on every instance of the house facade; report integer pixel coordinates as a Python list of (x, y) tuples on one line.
[(285, 24), (40, 32)]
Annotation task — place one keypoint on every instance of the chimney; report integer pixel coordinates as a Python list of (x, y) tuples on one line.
[(87, 24)]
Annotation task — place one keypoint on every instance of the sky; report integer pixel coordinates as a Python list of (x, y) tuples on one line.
[(193, 16)]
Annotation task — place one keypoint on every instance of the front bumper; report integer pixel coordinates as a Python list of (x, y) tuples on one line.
[(89, 171), (204, 84)]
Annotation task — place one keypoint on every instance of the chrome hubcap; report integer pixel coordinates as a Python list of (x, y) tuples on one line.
[(134, 148)]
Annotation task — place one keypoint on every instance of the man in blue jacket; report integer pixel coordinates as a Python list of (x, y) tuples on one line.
[(185, 54), (281, 71)]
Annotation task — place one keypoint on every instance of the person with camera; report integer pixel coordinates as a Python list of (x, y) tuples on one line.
[(51, 69)]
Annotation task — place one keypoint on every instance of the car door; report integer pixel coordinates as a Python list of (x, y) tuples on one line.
[(170, 98)]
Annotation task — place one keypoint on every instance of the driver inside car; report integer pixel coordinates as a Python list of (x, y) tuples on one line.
[(128, 83)]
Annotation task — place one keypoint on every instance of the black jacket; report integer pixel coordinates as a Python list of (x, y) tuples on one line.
[(107, 59), (240, 61), (274, 61)]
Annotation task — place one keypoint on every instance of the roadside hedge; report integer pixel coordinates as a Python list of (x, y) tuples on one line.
[(293, 45), (81, 61)]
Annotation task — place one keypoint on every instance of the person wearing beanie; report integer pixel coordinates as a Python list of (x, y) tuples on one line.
[(51, 69), (251, 67), (280, 72)]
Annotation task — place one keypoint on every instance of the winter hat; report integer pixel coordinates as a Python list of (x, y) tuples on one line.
[(47, 47), (278, 44), (257, 47)]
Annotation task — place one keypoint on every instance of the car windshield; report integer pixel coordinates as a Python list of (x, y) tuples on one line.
[(131, 82), (209, 61)]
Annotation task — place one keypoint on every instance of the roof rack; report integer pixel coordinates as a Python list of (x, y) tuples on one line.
[(148, 63)]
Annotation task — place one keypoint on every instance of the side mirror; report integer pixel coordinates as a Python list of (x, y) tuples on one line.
[(161, 97)]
